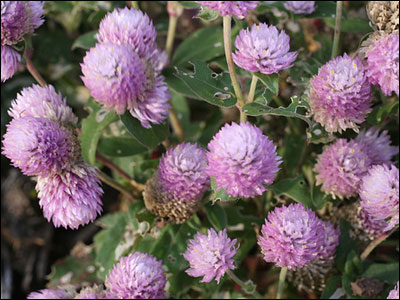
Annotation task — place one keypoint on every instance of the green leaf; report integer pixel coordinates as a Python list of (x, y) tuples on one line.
[(319, 198), (189, 4), (325, 9), (385, 272), (256, 109), (178, 85), (85, 41), (209, 86), (92, 128), (295, 188), (332, 285), (204, 44), (216, 215), (295, 146), (219, 194), (271, 81), (120, 146), (381, 112), (350, 25), (149, 137), (317, 135), (211, 127), (346, 245), (207, 14)]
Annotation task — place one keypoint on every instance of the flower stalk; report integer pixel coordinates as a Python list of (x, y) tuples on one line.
[(335, 47), (282, 277), (376, 242)]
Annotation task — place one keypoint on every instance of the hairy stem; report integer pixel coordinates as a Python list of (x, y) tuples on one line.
[(376, 242), (335, 47), (29, 65), (248, 287), (282, 277), (252, 91), (231, 66), (111, 182)]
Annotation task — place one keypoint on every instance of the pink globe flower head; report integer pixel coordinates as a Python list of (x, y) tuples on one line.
[(9, 62), (182, 172), (137, 276), (379, 193), (372, 228), (19, 18), (377, 145), (382, 63), (341, 167), (239, 9), (292, 236), (300, 7), (42, 102), (39, 146), (242, 160), (210, 255), (394, 294), (340, 95), (263, 49), (49, 294), (331, 240), (71, 198), (94, 292)]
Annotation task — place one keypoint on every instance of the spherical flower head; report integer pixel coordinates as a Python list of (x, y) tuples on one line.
[(72, 197), (49, 294), (379, 193), (154, 107), (93, 292), (239, 9), (300, 7), (372, 228), (40, 146), (115, 76), (210, 255), (382, 63), (377, 145), (340, 95), (340, 168), (19, 18), (384, 15), (331, 241), (42, 102), (292, 236), (9, 62), (182, 172), (394, 294), (263, 49), (137, 276), (242, 160)]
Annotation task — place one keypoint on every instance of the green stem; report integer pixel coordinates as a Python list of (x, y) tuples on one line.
[(282, 277), (29, 65), (376, 242), (335, 47), (252, 91), (135, 4), (111, 182), (248, 287), (231, 66)]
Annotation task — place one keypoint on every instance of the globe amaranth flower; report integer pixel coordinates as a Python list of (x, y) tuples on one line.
[(19, 18), (377, 145), (379, 193), (292, 236), (210, 255), (340, 95), (94, 292), (384, 15), (300, 7), (340, 168), (394, 294), (40, 146), (382, 63), (175, 191), (42, 102), (239, 9), (263, 49), (242, 160), (49, 294), (331, 240), (71, 198), (9, 62), (137, 276)]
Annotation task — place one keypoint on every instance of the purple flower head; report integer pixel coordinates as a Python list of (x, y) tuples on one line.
[(72, 197), (9, 62), (19, 18), (394, 294), (40, 146), (340, 168), (377, 145), (42, 102), (182, 172), (379, 193), (137, 276), (263, 49), (331, 240), (95, 292), (210, 255), (340, 95), (239, 9), (372, 228), (115, 76), (292, 236), (242, 160), (382, 63), (300, 7), (49, 294)]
